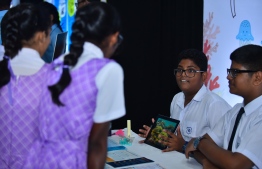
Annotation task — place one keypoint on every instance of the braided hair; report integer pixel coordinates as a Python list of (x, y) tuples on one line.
[(93, 23), (20, 25)]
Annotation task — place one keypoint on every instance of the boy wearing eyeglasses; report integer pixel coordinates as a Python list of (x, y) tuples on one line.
[(197, 108), (235, 142)]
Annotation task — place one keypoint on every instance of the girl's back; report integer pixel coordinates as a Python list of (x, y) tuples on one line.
[(19, 100), (64, 130), (25, 34)]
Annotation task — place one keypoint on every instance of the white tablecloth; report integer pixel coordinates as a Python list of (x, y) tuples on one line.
[(168, 160)]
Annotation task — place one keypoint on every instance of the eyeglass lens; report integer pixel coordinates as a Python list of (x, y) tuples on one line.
[(119, 39), (188, 72)]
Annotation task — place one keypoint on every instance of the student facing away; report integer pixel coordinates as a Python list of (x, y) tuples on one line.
[(235, 142), (25, 35), (85, 93), (55, 30), (197, 108)]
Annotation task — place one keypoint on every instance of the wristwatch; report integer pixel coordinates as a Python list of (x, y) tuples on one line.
[(197, 141)]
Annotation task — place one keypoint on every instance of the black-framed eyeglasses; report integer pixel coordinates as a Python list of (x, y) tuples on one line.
[(188, 72), (233, 72), (120, 39), (79, 2)]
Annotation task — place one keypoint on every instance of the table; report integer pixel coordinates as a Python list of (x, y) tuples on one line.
[(168, 160)]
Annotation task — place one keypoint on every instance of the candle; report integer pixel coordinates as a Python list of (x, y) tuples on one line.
[(128, 128)]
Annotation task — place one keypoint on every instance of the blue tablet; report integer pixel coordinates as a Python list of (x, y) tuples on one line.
[(161, 123)]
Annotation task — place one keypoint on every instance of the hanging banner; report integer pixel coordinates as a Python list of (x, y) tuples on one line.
[(228, 24)]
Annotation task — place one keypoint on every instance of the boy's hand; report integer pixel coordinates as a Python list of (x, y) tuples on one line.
[(145, 131), (173, 142), (189, 148)]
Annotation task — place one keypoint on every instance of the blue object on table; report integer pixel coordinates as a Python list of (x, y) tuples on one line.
[(126, 141), (116, 148)]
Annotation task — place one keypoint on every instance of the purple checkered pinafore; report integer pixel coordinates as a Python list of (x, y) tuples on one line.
[(19, 101), (64, 131)]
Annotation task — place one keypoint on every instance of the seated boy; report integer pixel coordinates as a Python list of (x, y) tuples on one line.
[(197, 108), (235, 142)]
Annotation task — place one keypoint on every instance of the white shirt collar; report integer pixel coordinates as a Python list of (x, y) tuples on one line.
[(200, 93), (198, 97), (253, 105), (90, 51), (27, 62)]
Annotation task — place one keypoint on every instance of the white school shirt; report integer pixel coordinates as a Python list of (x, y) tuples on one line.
[(200, 115), (110, 103), (110, 83), (248, 137), (27, 62)]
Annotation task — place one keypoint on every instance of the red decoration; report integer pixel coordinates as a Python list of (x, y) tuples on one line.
[(208, 49)]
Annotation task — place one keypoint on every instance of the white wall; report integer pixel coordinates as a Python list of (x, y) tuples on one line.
[(222, 20)]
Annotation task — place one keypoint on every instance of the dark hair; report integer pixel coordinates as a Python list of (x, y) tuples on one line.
[(250, 56), (93, 23), (5, 3), (52, 11), (4, 22), (21, 24), (198, 57)]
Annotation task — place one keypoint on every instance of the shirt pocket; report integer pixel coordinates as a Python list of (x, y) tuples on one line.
[(190, 128)]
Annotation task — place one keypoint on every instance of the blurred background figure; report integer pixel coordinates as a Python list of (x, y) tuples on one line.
[(35, 2), (55, 29), (25, 32), (81, 3), (4, 7)]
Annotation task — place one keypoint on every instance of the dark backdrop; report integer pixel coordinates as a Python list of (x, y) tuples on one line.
[(31, 1), (154, 32)]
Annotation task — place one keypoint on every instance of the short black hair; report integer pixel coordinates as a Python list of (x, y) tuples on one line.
[(250, 56), (198, 57), (52, 10)]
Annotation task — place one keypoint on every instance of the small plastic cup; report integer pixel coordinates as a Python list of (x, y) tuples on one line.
[(127, 141)]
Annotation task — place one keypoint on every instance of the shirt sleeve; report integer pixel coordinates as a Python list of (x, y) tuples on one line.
[(250, 145), (218, 108), (110, 99), (172, 107), (218, 132)]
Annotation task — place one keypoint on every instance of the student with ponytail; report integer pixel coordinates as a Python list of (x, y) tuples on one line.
[(85, 93), (25, 34)]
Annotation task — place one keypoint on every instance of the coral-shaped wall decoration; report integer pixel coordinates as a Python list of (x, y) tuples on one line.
[(210, 47)]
